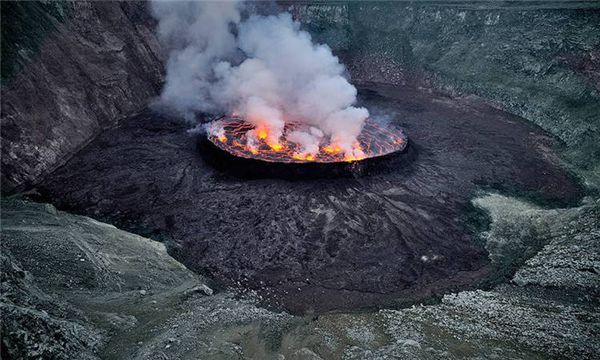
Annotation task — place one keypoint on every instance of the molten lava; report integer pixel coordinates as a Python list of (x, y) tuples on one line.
[(240, 138)]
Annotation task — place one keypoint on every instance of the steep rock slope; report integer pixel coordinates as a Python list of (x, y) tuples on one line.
[(83, 66), (69, 283), (538, 60)]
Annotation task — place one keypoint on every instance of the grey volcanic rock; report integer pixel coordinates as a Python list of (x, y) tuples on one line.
[(101, 314), (71, 289), (556, 248), (34, 324), (101, 64), (390, 237), (538, 60), (70, 283), (540, 315), (76, 288), (572, 259)]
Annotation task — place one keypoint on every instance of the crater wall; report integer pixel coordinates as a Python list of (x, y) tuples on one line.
[(538, 60), (82, 66), (70, 70)]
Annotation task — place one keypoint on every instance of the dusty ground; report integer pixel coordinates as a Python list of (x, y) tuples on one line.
[(315, 246)]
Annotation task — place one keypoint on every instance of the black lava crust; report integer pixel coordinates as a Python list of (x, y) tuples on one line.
[(317, 245)]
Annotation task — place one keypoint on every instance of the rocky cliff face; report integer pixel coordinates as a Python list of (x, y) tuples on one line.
[(539, 61), (78, 68), (83, 66)]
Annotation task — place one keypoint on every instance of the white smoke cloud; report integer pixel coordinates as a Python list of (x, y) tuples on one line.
[(282, 77), (197, 34)]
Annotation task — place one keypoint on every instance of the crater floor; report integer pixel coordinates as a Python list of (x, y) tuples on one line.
[(326, 244)]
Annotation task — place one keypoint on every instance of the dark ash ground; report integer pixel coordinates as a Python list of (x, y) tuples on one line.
[(322, 245)]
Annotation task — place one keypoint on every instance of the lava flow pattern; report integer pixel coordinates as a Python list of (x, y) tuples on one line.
[(231, 135)]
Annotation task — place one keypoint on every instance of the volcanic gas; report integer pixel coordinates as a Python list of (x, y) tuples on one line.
[(243, 139), (266, 69)]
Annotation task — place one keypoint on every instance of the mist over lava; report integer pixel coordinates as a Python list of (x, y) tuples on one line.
[(264, 69)]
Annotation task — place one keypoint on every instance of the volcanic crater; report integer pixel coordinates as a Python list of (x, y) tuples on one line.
[(315, 245), (225, 144)]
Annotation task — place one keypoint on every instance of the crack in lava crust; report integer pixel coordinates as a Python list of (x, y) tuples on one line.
[(231, 134)]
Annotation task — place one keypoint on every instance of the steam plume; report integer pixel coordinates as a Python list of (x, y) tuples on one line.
[(263, 67)]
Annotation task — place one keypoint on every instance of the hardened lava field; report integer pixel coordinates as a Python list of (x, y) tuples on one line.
[(401, 234), (231, 135)]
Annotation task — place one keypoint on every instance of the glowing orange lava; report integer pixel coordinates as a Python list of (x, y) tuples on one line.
[(232, 135), (262, 133), (275, 146)]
